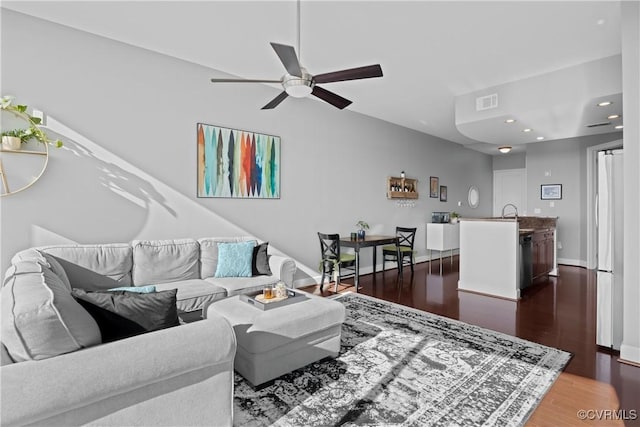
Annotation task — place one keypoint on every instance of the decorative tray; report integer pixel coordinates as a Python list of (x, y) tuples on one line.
[(255, 299)]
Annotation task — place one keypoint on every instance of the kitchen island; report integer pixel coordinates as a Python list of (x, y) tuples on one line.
[(502, 256)]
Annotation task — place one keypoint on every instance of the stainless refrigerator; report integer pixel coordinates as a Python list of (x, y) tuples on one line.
[(609, 220)]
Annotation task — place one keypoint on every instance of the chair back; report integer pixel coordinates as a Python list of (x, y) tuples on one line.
[(406, 236), (329, 246)]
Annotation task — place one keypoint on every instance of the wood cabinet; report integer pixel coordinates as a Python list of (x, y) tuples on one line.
[(402, 188), (542, 252)]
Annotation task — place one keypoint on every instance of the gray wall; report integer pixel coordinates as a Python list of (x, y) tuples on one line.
[(128, 169), (566, 161), (509, 161)]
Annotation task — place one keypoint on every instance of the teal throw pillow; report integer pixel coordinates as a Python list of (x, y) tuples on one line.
[(234, 259), (137, 289)]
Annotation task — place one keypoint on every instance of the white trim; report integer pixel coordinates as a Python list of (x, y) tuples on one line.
[(574, 262), (592, 153), (630, 353)]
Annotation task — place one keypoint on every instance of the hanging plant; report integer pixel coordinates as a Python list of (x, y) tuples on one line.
[(33, 131)]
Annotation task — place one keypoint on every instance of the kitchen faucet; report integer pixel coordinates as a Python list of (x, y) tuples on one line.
[(512, 205)]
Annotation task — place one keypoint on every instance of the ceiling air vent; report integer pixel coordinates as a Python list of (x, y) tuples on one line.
[(595, 125), (487, 102)]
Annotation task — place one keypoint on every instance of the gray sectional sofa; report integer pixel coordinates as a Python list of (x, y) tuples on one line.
[(56, 371)]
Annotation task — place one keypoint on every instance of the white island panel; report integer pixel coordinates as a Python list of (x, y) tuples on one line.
[(489, 261)]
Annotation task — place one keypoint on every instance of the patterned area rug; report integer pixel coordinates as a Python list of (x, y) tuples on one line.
[(403, 367)]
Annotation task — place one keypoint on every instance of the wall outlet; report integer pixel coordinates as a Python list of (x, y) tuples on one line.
[(537, 211), (547, 173), (40, 115), (559, 244), (552, 204)]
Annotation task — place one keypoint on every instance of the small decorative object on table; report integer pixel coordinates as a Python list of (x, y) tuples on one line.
[(258, 300), (281, 290), (363, 226), (453, 217)]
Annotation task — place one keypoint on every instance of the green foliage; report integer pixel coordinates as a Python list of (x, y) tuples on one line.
[(362, 225), (6, 103), (454, 215), (23, 134)]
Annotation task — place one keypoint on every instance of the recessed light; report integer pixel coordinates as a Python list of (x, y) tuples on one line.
[(604, 103), (619, 127), (540, 138), (504, 149), (510, 121), (527, 130), (613, 116)]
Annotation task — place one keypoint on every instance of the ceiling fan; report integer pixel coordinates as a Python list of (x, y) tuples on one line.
[(298, 83)]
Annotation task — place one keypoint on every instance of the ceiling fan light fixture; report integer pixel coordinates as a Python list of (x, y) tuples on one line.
[(504, 149), (298, 87)]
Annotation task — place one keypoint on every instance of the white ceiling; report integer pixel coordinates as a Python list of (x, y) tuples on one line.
[(431, 53)]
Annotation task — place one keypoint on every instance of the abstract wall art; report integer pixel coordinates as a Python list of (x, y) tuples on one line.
[(237, 164)]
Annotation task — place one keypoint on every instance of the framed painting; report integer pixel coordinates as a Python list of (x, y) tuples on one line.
[(551, 192), (236, 163), (433, 186), (443, 193)]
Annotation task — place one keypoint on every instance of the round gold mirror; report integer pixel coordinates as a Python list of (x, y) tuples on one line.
[(22, 160)]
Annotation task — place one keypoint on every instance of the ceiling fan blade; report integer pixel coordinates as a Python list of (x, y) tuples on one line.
[(287, 55), (244, 81), (275, 101), (330, 97), (366, 72)]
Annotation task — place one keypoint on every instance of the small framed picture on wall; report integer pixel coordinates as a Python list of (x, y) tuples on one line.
[(433, 186), (443, 193), (551, 192)]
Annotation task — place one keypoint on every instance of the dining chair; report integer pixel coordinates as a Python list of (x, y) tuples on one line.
[(332, 258), (406, 237)]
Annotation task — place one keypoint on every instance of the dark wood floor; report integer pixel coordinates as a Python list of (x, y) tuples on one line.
[(556, 311)]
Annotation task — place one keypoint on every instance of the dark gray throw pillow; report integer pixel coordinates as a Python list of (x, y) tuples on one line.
[(122, 314), (260, 260)]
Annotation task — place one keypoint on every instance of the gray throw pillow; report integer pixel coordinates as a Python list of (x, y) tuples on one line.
[(260, 260), (122, 314)]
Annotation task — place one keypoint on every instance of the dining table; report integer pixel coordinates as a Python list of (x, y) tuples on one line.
[(370, 241)]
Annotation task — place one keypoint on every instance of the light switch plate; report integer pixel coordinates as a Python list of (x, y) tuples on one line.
[(537, 211), (552, 204), (40, 115)]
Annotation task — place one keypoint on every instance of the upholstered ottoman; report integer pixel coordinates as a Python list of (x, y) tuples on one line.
[(277, 341)]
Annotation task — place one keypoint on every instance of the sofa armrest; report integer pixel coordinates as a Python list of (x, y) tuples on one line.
[(283, 267), (95, 383)]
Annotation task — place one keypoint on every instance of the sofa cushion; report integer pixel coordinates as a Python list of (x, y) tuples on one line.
[(242, 285), (122, 314), (40, 318), (234, 259), (209, 253), (162, 261), (194, 294), (260, 260), (94, 267), (41, 257), (138, 289)]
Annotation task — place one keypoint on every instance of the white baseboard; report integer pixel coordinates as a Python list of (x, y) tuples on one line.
[(630, 353), (575, 262)]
